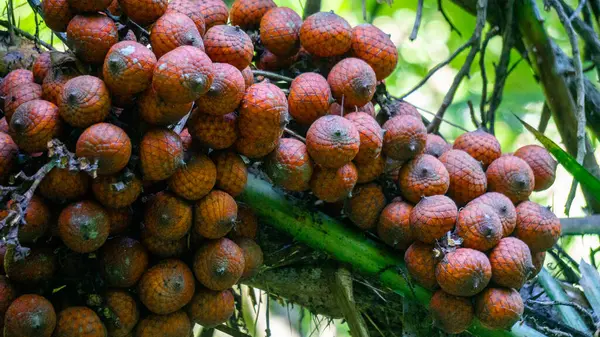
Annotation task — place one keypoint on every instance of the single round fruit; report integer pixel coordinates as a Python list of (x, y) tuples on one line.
[(482, 146), (512, 177), (163, 248), (436, 145), (20, 95), (144, 12), (511, 262), (216, 132), (57, 14), (537, 226), (263, 112), (8, 156), (326, 34), (89, 5), (503, 207), (433, 217), (79, 322), (155, 110), (14, 79), (85, 101), (37, 267), (128, 68), (467, 178), (215, 215), (161, 154), (499, 308), (333, 185), (117, 191), (247, 14), (280, 31), (167, 287), (176, 324), (352, 82), (215, 12), (372, 45), (122, 262), (225, 93), (253, 256), (232, 173), (219, 264), (450, 313), (394, 226), (253, 148), (125, 313), (290, 166), (211, 308), (479, 226), (464, 272), (83, 226), (194, 180), (61, 185), (34, 124), (228, 44), (168, 217), (332, 141), (309, 98), (423, 176), (30, 315), (106, 144), (420, 260), (193, 9), (371, 136), (365, 205), (405, 137), (173, 30), (542, 164), (41, 67), (7, 295), (370, 171), (53, 85), (92, 36), (246, 225), (37, 220)]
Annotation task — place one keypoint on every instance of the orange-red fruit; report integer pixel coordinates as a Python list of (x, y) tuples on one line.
[(216, 132), (371, 170), (309, 98), (479, 226), (248, 76), (225, 93), (333, 185), (280, 31), (482, 146), (228, 44), (176, 324), (253, 256), (499, 308), (352, 82), (271, 62), (467, 178), (452, 314), (128, 68), (41, 67), (537, 226), (194, 180), (107, 144), (14, 79), (34, 124), (163, 248), (215, 215), (183, 75), (248, 13), (394, 226), (538, 263), (168, 217), (117, 191), (423, 176), (371, 136), (37, 220), (336, 109), (433, 217), (57, 14), (92, 36), (53, 85), (30, 315), (122, 262), (85, 101), (263, 112), (89, 5), (39, 266), (144, 12), (246, 225), (365, 206), (8, 156), (193, 9), (326, 34), (332, 141), (372, 45), (436, 145), (20, 95), (464, 272), (157, 111), (61, 185), (167, 287), (4, 125), (542, 164), (254, 148), (232, 173), (161, 154), (512, 177), (210, 308), (503, 207), (420, 262), (511, 262), (405, 137), (290, 166), (79, 322), (84, 226), (219, 264), (174, 30), (125, 313), (215, 12)]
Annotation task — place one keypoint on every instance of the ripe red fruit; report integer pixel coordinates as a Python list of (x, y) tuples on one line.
[(34, 124), (538, 263), (371, 136), (371, 170), (30, 315), (433, 217), (253, 256), (464, 272), (194, 180), (92, 36), (511, 262), (61, 185), (8, 156), (53, 85), (503, 207), (37, 220), (225, 93), (228, 44), (405, 137), (41, 67), (172, 325), (263, 112), (512, 177), (161, 154), (365, 205), (117, 191), (255, 148), (353, 82), (215, 215), (479, 226), (128, 68), (215, 12), (309, 98), (537, 226), (210, 308), (372, 45), (542, 164), (394, 227), (450, 313), (122, 262), (290, 166), (482, 146), (155, 110), (85, 101), (436, 145), (57, 14), (334, 184), (174, 30), (14, 79), (167, 287), (79, 322), (467, 179), (167, 217), (125, 313), (280, 31), (216, 132), (193, 9), (248, 76), (271, 62), (107, 144), (232, 173), (420, 262), (332, 141), (84, 226), (499, 308), (163, 248), (20, 95), (219, 264), (326, 34), (89, 5), (246, 225), (248, 13), (144, 12), (423, 176)]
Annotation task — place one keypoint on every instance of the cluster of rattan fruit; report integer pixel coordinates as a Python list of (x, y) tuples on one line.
[(162, 208)]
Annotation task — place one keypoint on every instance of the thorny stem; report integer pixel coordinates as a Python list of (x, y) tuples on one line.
[(418, 16), (272, 75), (26, 35)]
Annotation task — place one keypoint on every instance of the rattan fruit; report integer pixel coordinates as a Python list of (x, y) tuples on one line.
[(176, 324), (405, 137), (423, 176), (163, 248), (227, 44), (37, 267), (37, 220), (538, 263), (394, 226), (225, 93), (433, 217), (353, 82), (332, 141), (125, 313), (34, 124), (215, 215), (499, 308), (122, 262), (216, 132), (309, 98), (8, 156), (128, 68), (7, 295), (371, 136), (372, 45), (254, 148), (333, 185), (117, 191), (263, 112), (464, 272), (168, 217), (41, 67), (436, 145), (210, 308), (61, 185), (215, 12), (53, 85), (79, 322), (479, 226), (193, 9), (92, 36), (20, 95), (271, 62), (166, 287), (542, 164), (89, 5), (57, 14), (194, 180), (365, 205), (512, 177), (290, 166), (84, 226), (107, 144), (537, 226), (14, 79), (174, 30), (482, 146), (336, 109), (511, 262), (161, 154), (30, 315), (232, 173), (452, 314), (421, 261), (219, 264), (246, 225), (370, 171), (280, 31), (467, 178), (248, 13), (155, 110), (144, 12), (503, 207), (326, 34), (253, 256), (85, 101)]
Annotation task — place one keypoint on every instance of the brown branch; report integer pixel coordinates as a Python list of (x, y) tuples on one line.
[(490, 35), (418, 17)]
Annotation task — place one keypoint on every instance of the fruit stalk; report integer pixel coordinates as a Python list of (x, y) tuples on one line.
[(326, 234)]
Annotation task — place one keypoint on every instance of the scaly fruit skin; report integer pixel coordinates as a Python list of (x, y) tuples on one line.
[(194, 180), (232, 173), (248, 13), (4, 125), (480, 145), (538, 263), (176, 324), (255, 148), (30, 315), (336, 109), (85, 101), (503, 207), (326, 34), (92, 36), (421, 262), (365, 205), (248, 76), (79, 322), (271, 62), (225, 93), (394, 225), (436, 145), (61, 185), (167, 287), (353, 82), (163, 248), (168, 217), (253, 256), (467, 178), (106, 143), (125, 311), (41, 67), (375, 47), (193, 9), (117, 191), (14, 79), (89, 5), (433, 217), (512, 177), (290, 166), (263, 112), (34, 124), (309, 98), (280, 31), (479, 226), (83, 226), (371, 136), (511, 262), (215, 12), (405, 137), (216, 132), (332, 141), (499, 308), (464, 272), (219, 264), (211, 308), (122, 261), (228, 44), (37, 220), (144, 12), (423, 176), (333, 185), (7, 295), (128, 68), (157, 111), (370, 171), (542, 164), (53, 85), (215, 215), (246, 225), (537, 226), (8, 156), (20, 95), (37, 267), (161, 154), (450, 313), (174, 30), (57, 14)]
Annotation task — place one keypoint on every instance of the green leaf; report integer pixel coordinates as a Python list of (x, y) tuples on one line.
[(590, 282), (583, 176)]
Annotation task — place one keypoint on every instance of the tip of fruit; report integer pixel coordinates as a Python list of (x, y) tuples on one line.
[(115, 64), (198, 83), (18, 123)]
